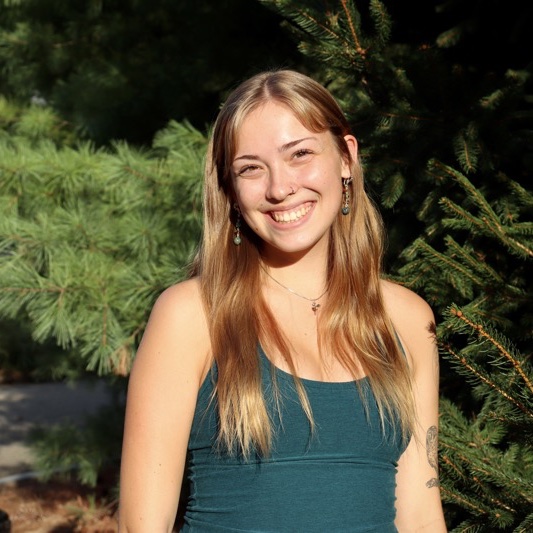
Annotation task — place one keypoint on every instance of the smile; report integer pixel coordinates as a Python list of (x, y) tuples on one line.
[(285, 217)]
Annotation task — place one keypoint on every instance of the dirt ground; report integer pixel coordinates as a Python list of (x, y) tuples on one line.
[(57, 507), (52, 506)]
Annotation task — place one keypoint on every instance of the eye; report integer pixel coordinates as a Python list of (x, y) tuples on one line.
[(248, 170), (302, 152)]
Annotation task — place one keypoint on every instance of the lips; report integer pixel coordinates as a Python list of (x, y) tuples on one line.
[(285, 217)]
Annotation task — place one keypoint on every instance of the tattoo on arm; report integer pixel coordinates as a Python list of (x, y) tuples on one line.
[(432, 454)]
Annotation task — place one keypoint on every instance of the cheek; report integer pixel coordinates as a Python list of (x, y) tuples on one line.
[(248, 194), (329, 179), (328, 172)]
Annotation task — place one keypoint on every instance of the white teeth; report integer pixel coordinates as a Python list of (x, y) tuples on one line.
[(291, 216)]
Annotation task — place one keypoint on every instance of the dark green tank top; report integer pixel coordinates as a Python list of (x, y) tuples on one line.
[(339, 479)]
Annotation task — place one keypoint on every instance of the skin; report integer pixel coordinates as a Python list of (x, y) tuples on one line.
[(279, 168), (418, 504)]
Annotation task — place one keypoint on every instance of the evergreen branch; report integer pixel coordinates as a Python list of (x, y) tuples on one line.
[(32, 290), (382, 20), (137, 174), (393, 189), (491, 313), (462, 213), (467, 461), (481, 331), (460, 499), (491, 220), (481, 467), (523, 194), (304, 16), (358, 48), (328, 39), (449, 38), (454, 495), (104, 325), (467, 527), (451, 464), (522, 228), (415, 118), (474, 263), (467, 185), (526, 525), (467, 148), (335, 36), (439, 257), (483, 378), (419, 277), (506, 238), (483, 224)]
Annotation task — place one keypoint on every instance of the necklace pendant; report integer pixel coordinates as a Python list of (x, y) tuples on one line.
[(314, 307)]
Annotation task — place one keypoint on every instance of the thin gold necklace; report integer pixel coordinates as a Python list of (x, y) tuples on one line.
[(314, 304)]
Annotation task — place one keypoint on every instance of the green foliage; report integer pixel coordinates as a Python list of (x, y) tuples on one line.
[(87, 449), (23, 359), (32, 123), (124, 68), (487, 461), (483, 266), (90, 236), (481, 251)]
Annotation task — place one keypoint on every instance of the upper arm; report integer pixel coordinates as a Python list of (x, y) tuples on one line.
[(418, 502), (162, 391)]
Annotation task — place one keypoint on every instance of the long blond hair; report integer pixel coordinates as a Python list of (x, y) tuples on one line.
[(353, 324)]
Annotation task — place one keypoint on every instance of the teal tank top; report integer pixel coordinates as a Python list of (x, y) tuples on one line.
[(339, 479)]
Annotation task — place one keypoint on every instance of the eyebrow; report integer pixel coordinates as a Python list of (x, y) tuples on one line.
[(283, 148)]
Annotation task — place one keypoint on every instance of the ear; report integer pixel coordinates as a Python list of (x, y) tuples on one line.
[(351, 143)]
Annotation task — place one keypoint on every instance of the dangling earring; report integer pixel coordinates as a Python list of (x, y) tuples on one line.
[(237, 229), (346, 195)]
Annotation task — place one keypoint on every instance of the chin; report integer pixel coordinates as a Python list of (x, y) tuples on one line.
[(292, 248)]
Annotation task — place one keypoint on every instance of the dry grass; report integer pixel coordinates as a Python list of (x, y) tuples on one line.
[(57, 507)]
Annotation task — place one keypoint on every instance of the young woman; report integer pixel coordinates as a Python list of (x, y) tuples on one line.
[(297, 388)]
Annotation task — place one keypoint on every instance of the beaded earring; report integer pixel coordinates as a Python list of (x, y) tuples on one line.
[(237, 229), (346, 195)]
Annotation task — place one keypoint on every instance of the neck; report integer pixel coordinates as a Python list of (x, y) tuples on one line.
[(306, 276)]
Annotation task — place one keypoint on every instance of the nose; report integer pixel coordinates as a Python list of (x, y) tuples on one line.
[(280, 184)]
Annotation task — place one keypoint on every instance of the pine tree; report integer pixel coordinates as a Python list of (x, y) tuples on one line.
[(481, 272), (445, 132), (124, 68), (89, 237)]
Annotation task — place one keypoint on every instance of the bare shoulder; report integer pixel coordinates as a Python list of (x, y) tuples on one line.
[(181, 307), (412, 318), (182, 301), (176, 337), (403, 303)]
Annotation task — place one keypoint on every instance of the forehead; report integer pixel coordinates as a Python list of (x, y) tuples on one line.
[(272, 122), (268, 111)]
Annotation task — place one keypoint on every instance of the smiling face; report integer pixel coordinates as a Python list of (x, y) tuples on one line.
[(287, 180)]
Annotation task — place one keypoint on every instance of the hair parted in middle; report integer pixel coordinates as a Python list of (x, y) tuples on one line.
[(352, 324)]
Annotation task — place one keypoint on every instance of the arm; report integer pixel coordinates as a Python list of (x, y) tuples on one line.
[(169, 367), (418, 504)]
